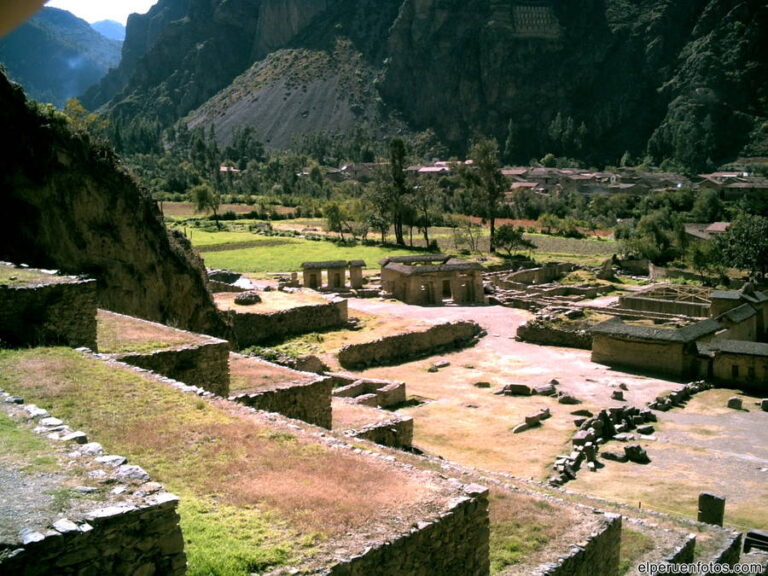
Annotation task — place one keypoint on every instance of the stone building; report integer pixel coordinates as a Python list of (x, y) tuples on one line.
[(726, 347), (335, 274), (647, 349), (431, 280)]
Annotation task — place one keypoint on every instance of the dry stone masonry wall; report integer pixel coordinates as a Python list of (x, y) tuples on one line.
[(308, 402), (251, 328), (456, 543), (62, 313), (409, 346), (122, 524)]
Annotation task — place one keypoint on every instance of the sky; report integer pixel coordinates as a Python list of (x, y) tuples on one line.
[(96, 10)]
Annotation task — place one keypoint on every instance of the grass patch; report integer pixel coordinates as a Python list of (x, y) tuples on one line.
[(117, 334), (20, 445), (12, 276), (634, 545), (519, 527)]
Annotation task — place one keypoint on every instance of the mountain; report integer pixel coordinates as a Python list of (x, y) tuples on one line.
[(57, 56), (681, 80), (110, 29), (70, 206)]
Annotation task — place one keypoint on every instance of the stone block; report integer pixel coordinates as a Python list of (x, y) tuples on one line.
[(614, 456), (711, 509), (545, 390), (516, 390), (617, 395), (568, 399), (764, 405), (735, 403), (636, 453), (646, 429)]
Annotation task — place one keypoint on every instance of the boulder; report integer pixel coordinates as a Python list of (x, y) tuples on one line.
[(568, 399), (614, 456), (764, 405), (545, 390), (248, 298), (617, 395), (646, 429), (735, 403), (516, 390), (482, 384), (636, 453)]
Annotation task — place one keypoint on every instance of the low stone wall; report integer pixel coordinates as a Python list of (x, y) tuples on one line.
[(550, 336), (404, 347), (395, 433), (205, 364), (731, 553), (543, 275), (132, 530), (49, 314), (251, 328), (598, 554), (308, 402), (684, 553), (456, 543), (385, 392), (660, 306)]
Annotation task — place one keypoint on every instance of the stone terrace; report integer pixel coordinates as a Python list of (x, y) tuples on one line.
[(365, 513)]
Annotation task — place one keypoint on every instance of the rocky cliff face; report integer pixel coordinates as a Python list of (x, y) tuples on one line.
[(682, 79), (68, 205)]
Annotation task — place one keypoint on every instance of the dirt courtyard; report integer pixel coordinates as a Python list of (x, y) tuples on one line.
[(701, 447)]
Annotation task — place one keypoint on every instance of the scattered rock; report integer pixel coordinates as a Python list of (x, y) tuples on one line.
[(582, 437), (131, 472), (76, 437), (624, 437), (584, 412), (515, 390), (520, 428), (441, 364), (545, 390), (636, 453), (764, 404), (735, 403), (482, 384), (617, 395), (614, 456), (14, 400), (578, 422), (248, 298), (554, 382), (646, 429), (568, 399), (623, 386), (310, 363)]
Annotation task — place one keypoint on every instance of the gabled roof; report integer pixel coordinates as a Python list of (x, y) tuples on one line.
[(323, 265), (690, 333), (452, 265), (415, 259), (739, 347), (738, 314)]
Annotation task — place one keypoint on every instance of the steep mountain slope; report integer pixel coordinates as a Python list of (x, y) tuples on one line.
[(679, 79), (110, 29), (68, 205), (57, 56)]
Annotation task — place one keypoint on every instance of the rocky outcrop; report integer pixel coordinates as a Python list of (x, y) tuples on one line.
[(68, 205)]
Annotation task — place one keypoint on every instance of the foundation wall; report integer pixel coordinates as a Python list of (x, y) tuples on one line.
[(695, 309), (51, 314), (454, 544), (547, 335), (599, 554), (308, 402), (395, 433), (205, 365), (404, 347), (252, 329)]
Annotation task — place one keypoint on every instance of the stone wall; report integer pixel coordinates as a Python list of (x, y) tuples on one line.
[(131, 529), (409, 346), (50, 314), (205, 364), (251, 329), (385, 392), (308, 402), (543, 275), (731, 553), (551, 336), (598, 554), (456, 543), (660, 358), (395, 433), (752, 370)]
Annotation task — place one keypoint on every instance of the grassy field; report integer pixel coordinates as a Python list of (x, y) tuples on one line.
[(236, 248), (247, 252)]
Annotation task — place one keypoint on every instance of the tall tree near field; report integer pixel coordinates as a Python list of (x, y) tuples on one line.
[(206, 199), (486, 180), (399, 189)]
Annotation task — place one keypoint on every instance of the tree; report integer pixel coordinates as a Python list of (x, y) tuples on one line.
[(398, 189), (486, 180), (510, 238), (745, 244), (336, 218), (206, 199), (426, 198)]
